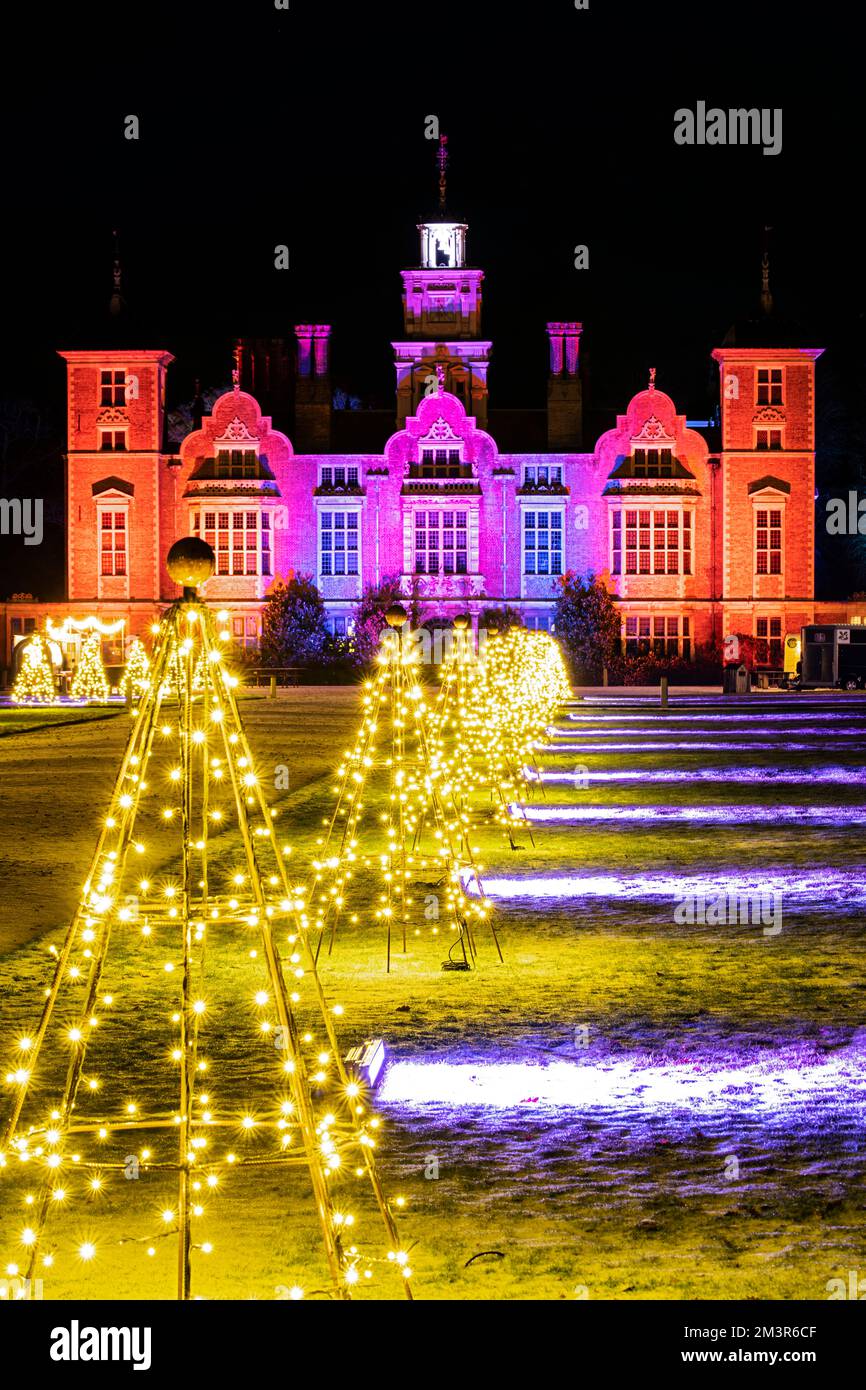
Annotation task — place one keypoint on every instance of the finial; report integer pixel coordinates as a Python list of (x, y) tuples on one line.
[(116, 302), (442, 161), (766, 297), (440, 377), (236, 370), (652, 379)]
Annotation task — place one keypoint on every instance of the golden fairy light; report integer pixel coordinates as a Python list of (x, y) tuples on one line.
[(34, 683), (73, 1127), (395, 817), (521, 681), (90, 681)]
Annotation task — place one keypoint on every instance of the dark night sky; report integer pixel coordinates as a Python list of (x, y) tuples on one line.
[(306, 127)]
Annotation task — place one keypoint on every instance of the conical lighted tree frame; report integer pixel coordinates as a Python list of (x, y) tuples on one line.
[(470, 745), (521, 682), (69, 1128), (392, 747)]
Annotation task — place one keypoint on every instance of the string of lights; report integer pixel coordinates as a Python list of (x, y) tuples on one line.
[(187, 794), (34, 683), (392, 751), (90, 681)]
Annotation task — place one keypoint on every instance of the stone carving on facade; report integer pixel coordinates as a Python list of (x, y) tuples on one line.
[(237, 431), (654, 433)]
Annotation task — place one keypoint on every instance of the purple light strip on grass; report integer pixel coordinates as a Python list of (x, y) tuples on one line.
[(733, 717), (702, 774), (696, 747), (771, 735), (720, 815), (839, 701)]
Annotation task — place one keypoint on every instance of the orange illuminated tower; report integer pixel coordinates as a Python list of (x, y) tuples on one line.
[(766, 531)]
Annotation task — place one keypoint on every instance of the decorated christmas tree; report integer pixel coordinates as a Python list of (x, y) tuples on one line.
[(185, 1077), (34, 683), (134, 683), (89, 682)]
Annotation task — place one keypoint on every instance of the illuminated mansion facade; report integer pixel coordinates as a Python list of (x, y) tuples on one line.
[(696, 544)]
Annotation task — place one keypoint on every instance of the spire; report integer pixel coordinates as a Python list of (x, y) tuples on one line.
[(652, 379), (442, 163), (440, 378), (766, 297), (236, 370), (117, 303)]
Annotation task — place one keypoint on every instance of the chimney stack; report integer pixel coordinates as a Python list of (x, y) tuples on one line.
[(564, 399), (313, 388)]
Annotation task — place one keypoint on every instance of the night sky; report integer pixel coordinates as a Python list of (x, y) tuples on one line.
[(306, 127)]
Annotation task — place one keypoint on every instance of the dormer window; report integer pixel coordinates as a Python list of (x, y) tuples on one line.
[(653, 463), (441, 463), (542, 475), (339, 476), (236, 463)]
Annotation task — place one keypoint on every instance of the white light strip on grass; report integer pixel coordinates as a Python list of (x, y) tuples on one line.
[(817, 889), (639, 1083)]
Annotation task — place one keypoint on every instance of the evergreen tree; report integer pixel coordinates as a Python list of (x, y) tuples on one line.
[(587, 623), (294, 623), (372, 607), (499, 619)]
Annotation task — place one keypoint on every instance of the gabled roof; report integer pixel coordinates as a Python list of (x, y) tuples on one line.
[(112, 485), (778, 484)]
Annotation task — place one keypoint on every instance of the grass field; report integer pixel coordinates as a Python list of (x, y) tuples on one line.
[(712, 1145), (22, 719)]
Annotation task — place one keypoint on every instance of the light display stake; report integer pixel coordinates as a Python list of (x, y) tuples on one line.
[(187, 759)]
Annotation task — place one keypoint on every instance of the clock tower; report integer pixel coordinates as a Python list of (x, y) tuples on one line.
[(442, 317)]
